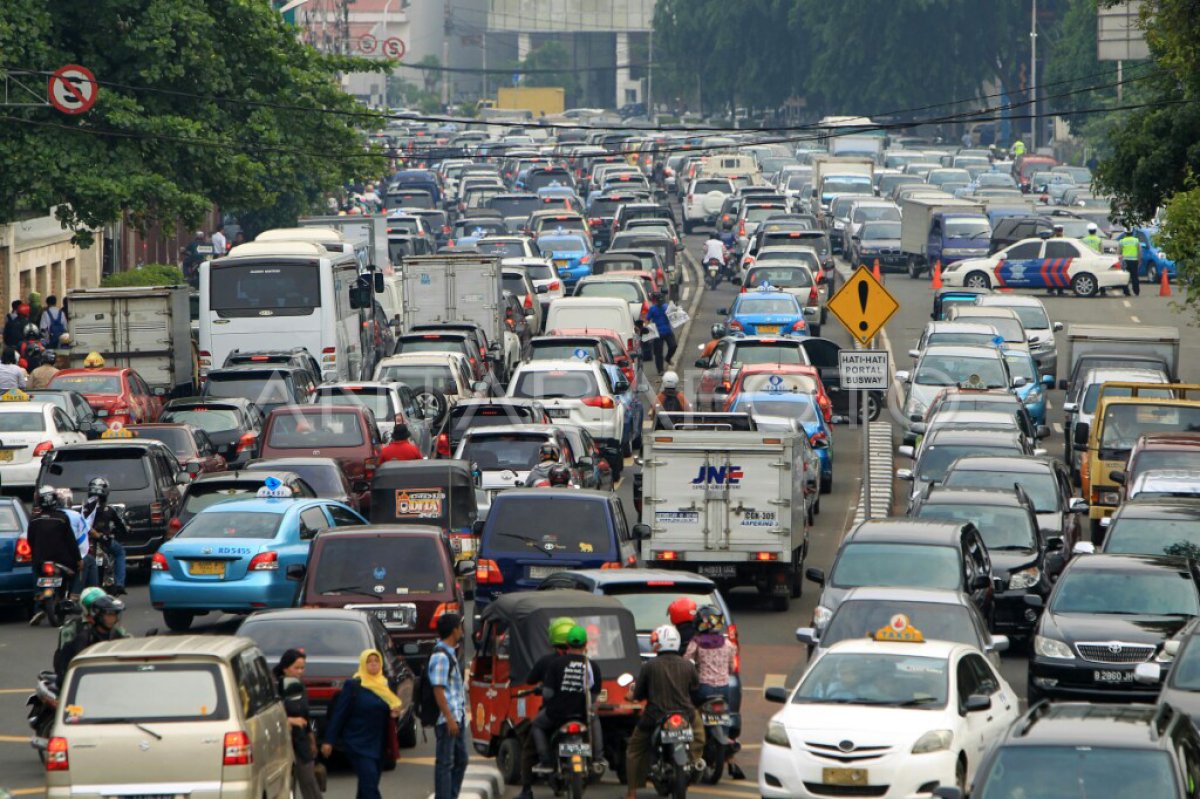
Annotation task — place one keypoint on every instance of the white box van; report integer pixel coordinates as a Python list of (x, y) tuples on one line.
[(606, 313)]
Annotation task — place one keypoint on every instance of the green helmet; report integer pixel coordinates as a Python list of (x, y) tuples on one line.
[(559, 629), (577, 637), (89, 597)]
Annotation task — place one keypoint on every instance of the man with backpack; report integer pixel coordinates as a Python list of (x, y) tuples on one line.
[(443, 704), (671, 399), (53, 323)]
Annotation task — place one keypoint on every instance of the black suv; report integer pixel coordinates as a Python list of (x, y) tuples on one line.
[(233, 424), (1076, 751), (267, 386), (296, 356)]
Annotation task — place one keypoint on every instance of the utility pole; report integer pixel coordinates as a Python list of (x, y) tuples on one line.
[(1033, 127), (447, 30)]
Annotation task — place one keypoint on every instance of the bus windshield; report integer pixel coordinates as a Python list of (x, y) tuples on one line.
[(250, 289)]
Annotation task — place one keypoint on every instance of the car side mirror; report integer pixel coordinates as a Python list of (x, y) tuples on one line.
[(1048, 381), (1019, 382), (904, 474), (1000, 643), (1117, 476), (464, 568), (1077, 505), (182, 478), (158, 391), (477, 527), (1070, 407), (1083, 548), (701, 363), (1081, 434), (1064, 384), (1054, 543), (977, 703), (807, 635), (902, 377), (296, 571), (776, 694), (914, 354), (979, 582), (641, 532), (360, 486), (1147, 673), (813, 574), (1057, 327), (542, 289), (621, 386), (905, 451)]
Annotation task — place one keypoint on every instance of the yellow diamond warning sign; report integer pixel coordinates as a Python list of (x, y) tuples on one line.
[(863, 305)]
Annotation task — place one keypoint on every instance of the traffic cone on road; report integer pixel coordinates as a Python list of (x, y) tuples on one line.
[(937, 275), (875, 271), (1164, 286)]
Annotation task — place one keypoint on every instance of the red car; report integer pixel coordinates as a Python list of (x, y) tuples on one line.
[(191, 445), (116, 394), (793, 377), (612, 343), (348, 434)]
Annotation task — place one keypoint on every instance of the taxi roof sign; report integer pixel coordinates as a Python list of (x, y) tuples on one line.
[(899, 630), (14, 395), (273, 488)]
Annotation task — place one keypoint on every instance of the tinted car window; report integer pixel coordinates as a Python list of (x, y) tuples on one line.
[(314, 431), (1163, 593), (549, 526), (210, 420), (325, 479), (1077, 772), (400, 566), (317, 637), (220, 524), (898, 565), (125, 469)]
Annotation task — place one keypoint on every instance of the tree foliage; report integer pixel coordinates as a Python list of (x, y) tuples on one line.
[(148, 275), (201, 102)]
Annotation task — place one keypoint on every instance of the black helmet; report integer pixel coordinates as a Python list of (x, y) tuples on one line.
[(48, 498), (713, 235), (98, 487), (48, 357), (719, 330), (31, 331), (559, 475), (547, 452), (107, 604)]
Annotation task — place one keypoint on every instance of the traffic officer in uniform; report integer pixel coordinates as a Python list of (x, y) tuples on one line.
[(1131, 251)]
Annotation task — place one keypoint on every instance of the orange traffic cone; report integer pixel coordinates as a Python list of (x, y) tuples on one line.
[(1164, 286), (875, 271), (937, 275)]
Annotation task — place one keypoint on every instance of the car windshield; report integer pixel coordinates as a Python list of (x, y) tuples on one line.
[(514, 206), (555, 384), (758, 214), (203, 495), (1041, 487), (399, 566), (879, 230), (1020, 364), (854, 678), (315, 430), (968, 229), (1125, 422), (430, 344), (465, 417), (1049, 771), (882, 564), (648, 603), (276, 289), (801, 410), (1092, 396), (936, 621), (496, 451), (1002, 528), (545, 527), (265, 391), (1149, 459), (1033, 317), (935, 459), (22, 422), (124, 468), (563, 244), (630, 292), (952, 370), (784, 277), (1158, 593), (179, 440), (1176, 537), (766, 306), (766, 352), (847, 185), (146, 692), (504, 249), (88, 384), (418, 377), (210, 420), (316, 637), (224, 524), (377, 399), (878, 213)]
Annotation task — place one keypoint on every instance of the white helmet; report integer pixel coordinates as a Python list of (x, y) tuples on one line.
[(665, 639), (670, 380), (1091, 227)]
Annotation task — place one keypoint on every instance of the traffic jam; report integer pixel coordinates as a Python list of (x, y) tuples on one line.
[(560, 416)]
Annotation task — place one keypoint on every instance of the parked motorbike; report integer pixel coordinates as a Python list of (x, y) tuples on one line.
[(717, 721), (40, 709)]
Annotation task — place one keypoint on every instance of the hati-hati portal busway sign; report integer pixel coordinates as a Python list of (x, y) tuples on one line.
[(864, 370)]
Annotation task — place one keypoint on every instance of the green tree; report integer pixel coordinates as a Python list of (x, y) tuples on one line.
[(201, 102), (1180, 239)]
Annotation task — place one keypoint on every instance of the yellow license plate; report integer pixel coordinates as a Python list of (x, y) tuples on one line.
[(207, 567), (844, 776), (768, 328), (6, 454)]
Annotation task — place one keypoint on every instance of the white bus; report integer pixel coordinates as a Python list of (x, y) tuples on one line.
[(278, 295)]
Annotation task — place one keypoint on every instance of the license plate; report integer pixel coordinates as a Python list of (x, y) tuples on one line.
[(721, 570), (207, 567), (575, 749), (844, 776), (722, 720), (677, 736), (558, 413), (561, 264), (49, 582), (768, 328), (542, 572), (1112, 676), (6, 454)]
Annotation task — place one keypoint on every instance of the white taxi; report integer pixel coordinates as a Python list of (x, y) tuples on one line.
[(892, 716), (1054, 263), (29, 430)]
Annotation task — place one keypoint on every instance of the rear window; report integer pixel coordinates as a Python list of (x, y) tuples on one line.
[(503, 451), (503, 249), (558, 384), (273, 388), (324, 477), (224, 524), (387, 567), (377, 399), (705, 186), (606, 288), (88, 384), (548, 527), (431, 344), (210, 420), (648, 604), (10, 520), (464, 418), (315, 431), (767, 353), (180, 441), (515, 284), (142, 692), (23, 422), (201, 495), (604, 208), (331, 638), (419, 378), (125, 469)]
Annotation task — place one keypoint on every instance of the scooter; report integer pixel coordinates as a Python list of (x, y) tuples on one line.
[(41, 707), (717, 720), (53, 585), (713, 268)]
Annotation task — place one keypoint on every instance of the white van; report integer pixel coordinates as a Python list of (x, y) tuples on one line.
[(392, 299), (606, 313)]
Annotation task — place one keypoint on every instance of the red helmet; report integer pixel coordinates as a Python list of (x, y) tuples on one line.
[(681, 610)]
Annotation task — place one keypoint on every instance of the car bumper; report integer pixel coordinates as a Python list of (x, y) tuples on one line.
[(785, 772), (1076, 680), (16, 585), (256, 591), (216, 789), (1013, 615), (20, 475), (1112, 278)]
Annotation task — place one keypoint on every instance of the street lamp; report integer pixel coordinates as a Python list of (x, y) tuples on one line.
[(1033, 126)]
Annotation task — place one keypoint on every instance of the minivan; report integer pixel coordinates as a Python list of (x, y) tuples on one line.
[(606, 313)]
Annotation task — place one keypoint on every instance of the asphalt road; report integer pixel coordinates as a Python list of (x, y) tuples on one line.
[(770, 654)]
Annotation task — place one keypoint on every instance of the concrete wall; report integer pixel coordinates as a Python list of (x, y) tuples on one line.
[(37, 255)]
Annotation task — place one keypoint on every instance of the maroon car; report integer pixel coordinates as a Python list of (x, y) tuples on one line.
[(192, 447), (348, 434)]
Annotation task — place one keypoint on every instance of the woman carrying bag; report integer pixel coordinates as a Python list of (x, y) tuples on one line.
[(288, 673), (363, 722)]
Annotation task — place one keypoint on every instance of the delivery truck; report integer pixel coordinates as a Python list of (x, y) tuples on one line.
[(728, 505), (1135, 346), (941, 229), (539, 100), (833, 176)]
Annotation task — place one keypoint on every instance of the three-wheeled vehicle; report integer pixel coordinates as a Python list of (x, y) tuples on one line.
[(437, 492), (514, 637)]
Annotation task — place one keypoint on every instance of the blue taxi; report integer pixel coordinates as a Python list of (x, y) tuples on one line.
[(234, 556), (798, 405), (1033, 393), (571, 253), (766, 311)]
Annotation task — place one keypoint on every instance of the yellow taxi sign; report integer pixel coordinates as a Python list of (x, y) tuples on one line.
[(899, 630), (863, 305), (14, 395), (117, 430)]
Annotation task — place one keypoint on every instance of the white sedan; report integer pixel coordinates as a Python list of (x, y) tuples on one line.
[(1054, 263), (28, 430), (894, 716)]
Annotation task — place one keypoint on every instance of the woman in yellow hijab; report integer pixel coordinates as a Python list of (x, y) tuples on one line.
[(363, 721)]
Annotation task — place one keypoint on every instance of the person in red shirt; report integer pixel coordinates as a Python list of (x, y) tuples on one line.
[(400, 448)]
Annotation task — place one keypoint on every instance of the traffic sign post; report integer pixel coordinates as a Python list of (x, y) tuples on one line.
[(72, 89), (863, 370), (394, 48), (368, 43)]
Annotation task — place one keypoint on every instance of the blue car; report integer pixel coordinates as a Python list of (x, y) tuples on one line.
[(234, 556), (797, 405), (571, 255), (1033, 393), (765, 312), (16, 572), (1153, 261)]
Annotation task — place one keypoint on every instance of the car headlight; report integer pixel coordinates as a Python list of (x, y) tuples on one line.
[(1162, 254), (933, 741), (1051, 648), (777, 734), (1026, 578), (821, 616)]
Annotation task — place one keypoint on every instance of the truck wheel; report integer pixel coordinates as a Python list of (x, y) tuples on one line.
[(827, 485), (977, 280), (1084, 285), (687, 227), (914, 268), (780, 604)]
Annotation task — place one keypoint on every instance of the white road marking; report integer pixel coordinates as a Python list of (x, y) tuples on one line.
[(1135, 320), (1058, 428), (1127, 303)]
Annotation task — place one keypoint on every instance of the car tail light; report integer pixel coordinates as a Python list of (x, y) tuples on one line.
[(528, 302), (442, 609), (595, 222), (246, 442), (24, 552), (42, 448), (587, 259), (157, 513), (488, 573), (735, 325), (1116, 265), (56, 755), (554, 286), (597, 402), (762, 557), (174, 526), (742, 229), (158, 563), (799, 325), (370, 465), (443, 445), (612, 564), (645, 308), (237, 749), (264, 562)]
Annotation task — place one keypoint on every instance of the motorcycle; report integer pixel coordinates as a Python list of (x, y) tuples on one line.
[(717, 720), (574, 767), (713, 268), (53, 585), (41, 707), (670, 769)]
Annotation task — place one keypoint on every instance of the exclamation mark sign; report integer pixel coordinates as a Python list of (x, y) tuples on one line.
[(863, 288)]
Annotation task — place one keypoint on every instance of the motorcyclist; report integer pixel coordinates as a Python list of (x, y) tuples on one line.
[(715, 657), (547, 458), (31, 346), (107, 528), (52, 538), (102, 623), (40, 376), (715, 250), (682, 613), (666, 683), (671, 399), (570, 682), (560, 476)]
